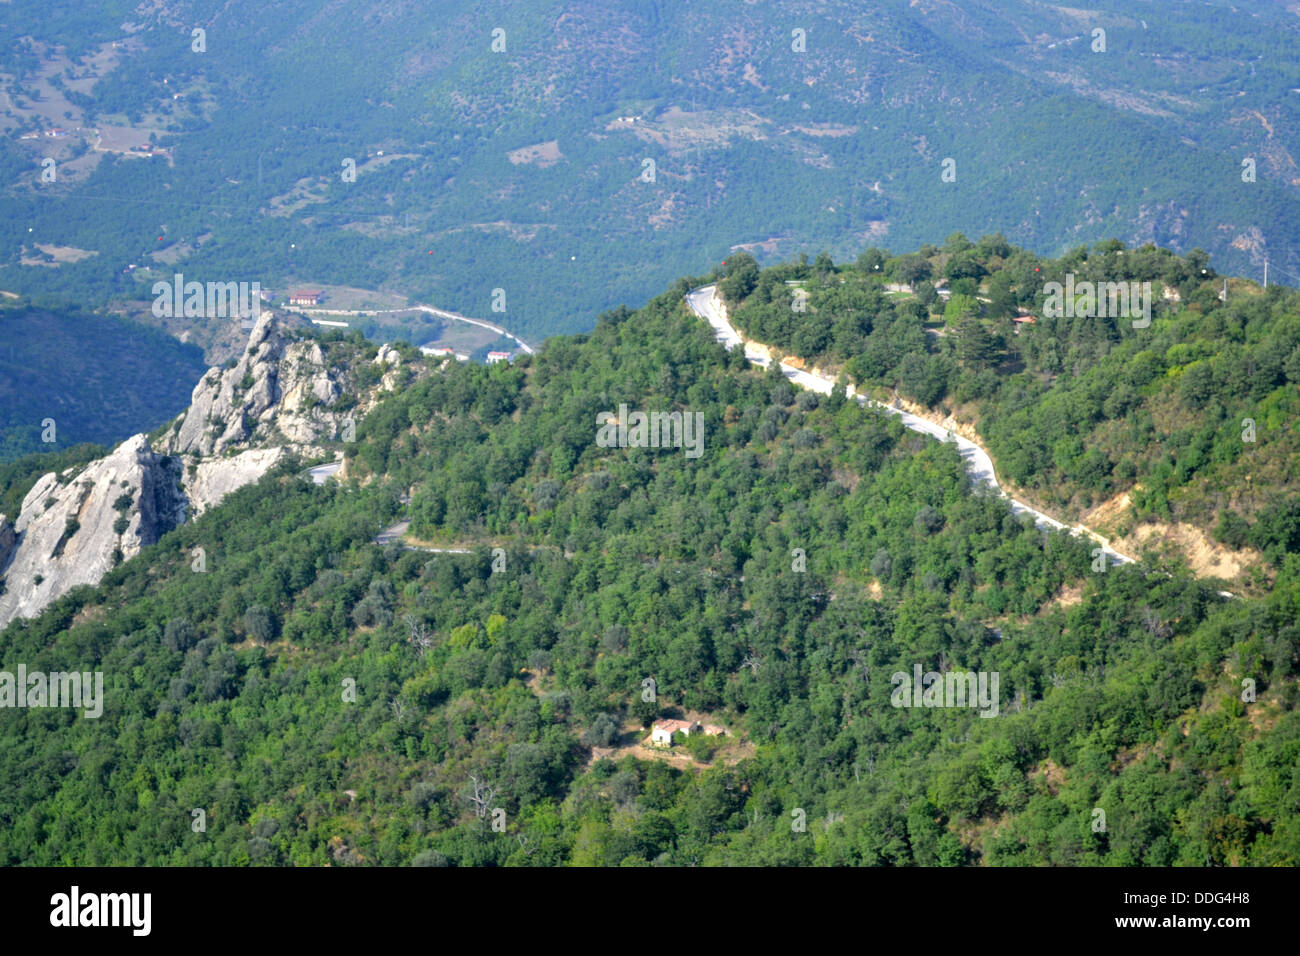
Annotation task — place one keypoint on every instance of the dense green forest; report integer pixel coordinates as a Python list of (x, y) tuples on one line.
[(326, 700), (71, 377), (1194, 415), (753, 139)]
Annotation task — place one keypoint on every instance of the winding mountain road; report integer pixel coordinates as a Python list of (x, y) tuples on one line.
[(320, 473), (396, 534), (441, 313), (708, 305)]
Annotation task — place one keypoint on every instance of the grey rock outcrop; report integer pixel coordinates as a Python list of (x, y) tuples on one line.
[(242, 421), (277, 384), (74, 527), (391, 360), (215, 478), (277, 400)]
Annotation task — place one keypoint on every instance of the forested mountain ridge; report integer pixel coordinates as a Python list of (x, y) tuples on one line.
[(583, 153), (323, 699), (1173, 427)]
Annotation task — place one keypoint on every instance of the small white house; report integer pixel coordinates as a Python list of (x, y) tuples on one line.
[(661, 734)]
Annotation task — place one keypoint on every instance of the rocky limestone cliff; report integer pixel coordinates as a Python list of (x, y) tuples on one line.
[(243, 420), (74, 527), (277, 400), (213, 479), (391, 359)]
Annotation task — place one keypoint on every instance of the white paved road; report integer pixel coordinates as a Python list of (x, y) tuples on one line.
[(322, 472), (708, 305), (443, 313)]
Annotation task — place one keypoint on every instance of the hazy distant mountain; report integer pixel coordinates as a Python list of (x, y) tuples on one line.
[(72, 377), (610, 146)]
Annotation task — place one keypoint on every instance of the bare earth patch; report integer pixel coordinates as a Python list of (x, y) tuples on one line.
[(876, 230), (677, 130), (636, 743), (539, 154), (767, 246), (309, 189), (60, 254), (963, 428), (520, 232), (1206, 558), (1128, 755), (122, 139), (1065, 597), (825, 129), (1106, 516), (1054, 775)]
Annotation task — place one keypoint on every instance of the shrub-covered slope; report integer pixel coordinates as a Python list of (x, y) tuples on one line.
[(324, 699)]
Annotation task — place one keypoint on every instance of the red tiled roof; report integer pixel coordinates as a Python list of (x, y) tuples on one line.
[(672, 726)]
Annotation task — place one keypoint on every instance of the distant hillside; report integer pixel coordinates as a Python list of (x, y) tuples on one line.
[(99, 378), (1181, 432), (577, 155)]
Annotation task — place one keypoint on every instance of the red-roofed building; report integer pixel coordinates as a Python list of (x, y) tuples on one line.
[(305, 297), (662, 731)]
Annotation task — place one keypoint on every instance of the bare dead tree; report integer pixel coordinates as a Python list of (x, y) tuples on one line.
[(481, 798), (1154, 625), (418, 633), (752, 661), (398, 709)]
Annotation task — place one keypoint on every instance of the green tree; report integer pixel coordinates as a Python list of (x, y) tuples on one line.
[(259, 623), (741, 277)]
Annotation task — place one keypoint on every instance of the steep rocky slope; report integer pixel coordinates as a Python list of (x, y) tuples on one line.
[(280, 399), (74, 527), (277, 399)]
